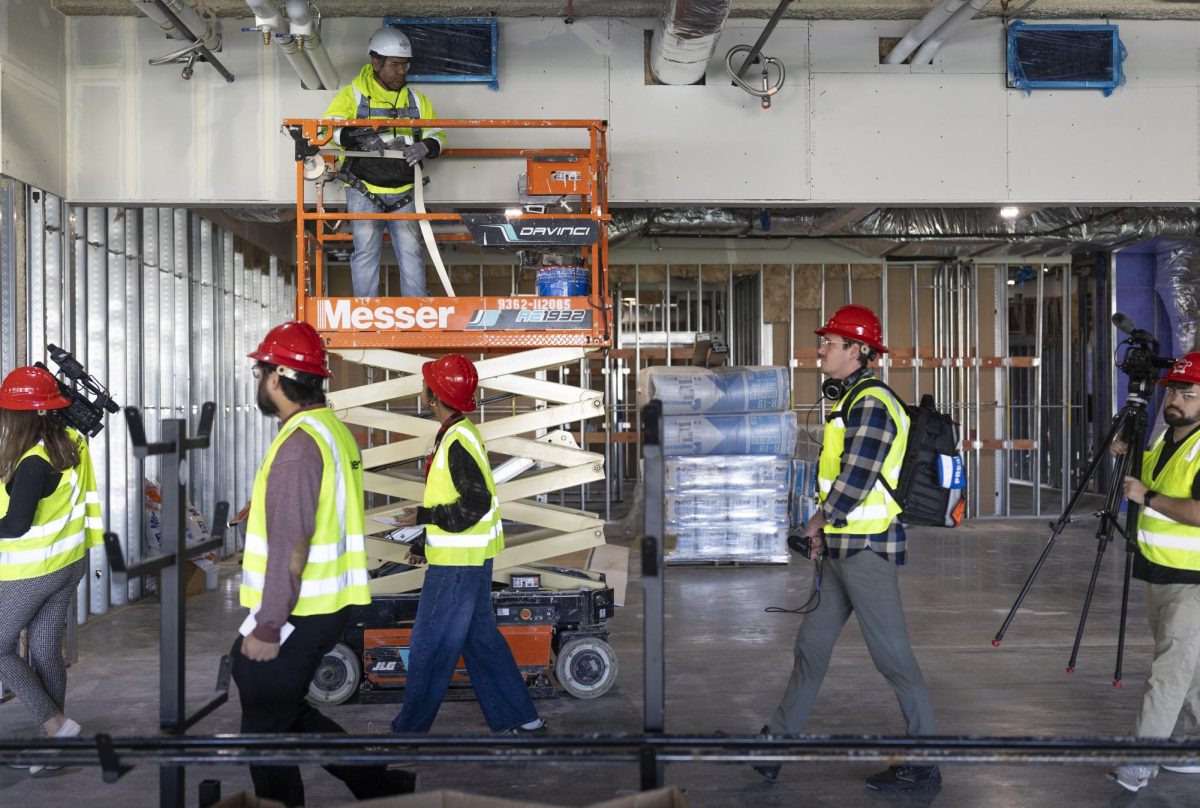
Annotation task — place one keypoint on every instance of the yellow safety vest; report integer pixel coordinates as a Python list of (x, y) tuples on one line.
[(1161, 539), (335, 574), (65, 525), (364, 97), (485, 538), (877, 510)]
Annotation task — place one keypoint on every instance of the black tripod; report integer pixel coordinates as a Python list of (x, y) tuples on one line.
[(1130, 425)]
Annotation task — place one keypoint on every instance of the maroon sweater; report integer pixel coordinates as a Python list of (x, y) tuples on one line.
[(293, 490)]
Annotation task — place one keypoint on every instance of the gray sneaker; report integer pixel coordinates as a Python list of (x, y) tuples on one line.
[(1133, 778)]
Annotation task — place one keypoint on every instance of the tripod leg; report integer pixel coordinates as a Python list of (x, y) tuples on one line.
[(1131, 523), (1124, 615), (1057, 527)]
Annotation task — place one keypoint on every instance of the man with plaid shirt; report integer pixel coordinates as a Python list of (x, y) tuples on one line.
[(855, 527)]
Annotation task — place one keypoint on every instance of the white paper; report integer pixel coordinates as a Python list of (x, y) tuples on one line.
[(250, 622)]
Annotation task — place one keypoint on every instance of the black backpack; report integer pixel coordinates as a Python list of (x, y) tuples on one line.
[(932, 476)]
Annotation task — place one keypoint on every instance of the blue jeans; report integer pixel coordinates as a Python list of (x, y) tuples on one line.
[(455, 617), (368, 247)]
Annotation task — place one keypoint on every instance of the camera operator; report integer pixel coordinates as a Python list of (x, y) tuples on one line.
[(50, 517), (1168, 560), (865, 436)]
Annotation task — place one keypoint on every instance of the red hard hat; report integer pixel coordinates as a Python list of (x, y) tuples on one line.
[(1186, 369), (453, 379), (293, 345), (857, 323), (31, 388)]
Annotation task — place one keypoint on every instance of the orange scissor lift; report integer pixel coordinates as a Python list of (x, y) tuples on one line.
[(519, 336)]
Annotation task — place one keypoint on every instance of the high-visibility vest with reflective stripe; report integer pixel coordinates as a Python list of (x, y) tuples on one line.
[(364, 97), (485, 538), (335, 574), (66, 523), (877, 509), (1161, 539)]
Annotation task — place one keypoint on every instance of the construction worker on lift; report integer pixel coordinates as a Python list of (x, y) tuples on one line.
[(856, 534), (49, 519), (305, 562), (463, 534), (384, 184)]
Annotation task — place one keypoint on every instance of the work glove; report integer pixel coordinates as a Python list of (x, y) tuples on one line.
[(362, 138), (415, 152)]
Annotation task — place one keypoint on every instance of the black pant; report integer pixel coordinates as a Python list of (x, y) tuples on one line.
[(272, 695)]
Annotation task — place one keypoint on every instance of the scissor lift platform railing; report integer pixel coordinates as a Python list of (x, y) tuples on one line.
[(482, 323)]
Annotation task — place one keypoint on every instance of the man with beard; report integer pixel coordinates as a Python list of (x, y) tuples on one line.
[(1168, 560), (305, 563), (384, 184)]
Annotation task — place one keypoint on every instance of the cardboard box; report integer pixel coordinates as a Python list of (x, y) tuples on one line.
[(613, 561), (660, 798), (610, 559), (195, 580)]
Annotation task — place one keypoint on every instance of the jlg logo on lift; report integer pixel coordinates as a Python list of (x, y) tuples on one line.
[(340, 315)]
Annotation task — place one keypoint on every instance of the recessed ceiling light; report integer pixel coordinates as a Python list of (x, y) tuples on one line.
[(1010, 212)]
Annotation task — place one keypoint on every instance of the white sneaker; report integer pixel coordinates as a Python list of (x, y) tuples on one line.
[(1187, 769), (69, 729), (1133, 778)]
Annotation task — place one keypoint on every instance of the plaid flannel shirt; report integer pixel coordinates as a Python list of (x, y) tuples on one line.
[(869, 435)]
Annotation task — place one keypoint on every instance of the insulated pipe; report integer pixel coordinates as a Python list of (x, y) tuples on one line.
[(200, 29), (686, 38), (293, 49), (957, 20), (266, 18), (308, 34), (928, 24)]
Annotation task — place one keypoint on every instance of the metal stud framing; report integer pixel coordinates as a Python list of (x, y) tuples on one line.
[(160, 305)]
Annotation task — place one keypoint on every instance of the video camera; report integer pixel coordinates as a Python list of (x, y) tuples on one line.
[(89, 398), (1141, 361)]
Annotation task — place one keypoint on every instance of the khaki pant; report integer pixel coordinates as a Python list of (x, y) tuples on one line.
[(1173, 686)]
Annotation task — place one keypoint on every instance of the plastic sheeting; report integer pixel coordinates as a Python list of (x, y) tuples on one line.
[(686, 39), (771, 433), (684, 391), (1075, 229), (1177, 282), (1065, 56)]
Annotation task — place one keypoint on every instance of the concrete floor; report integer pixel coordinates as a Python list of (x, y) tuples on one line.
[(727, 663)]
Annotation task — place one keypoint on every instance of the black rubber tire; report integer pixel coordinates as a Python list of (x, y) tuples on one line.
[(586, 667), (337, 678)]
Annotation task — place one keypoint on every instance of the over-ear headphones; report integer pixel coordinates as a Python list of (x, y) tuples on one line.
[(833, 389)]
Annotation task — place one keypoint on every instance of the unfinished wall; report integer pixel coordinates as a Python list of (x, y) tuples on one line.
[(33, 70)]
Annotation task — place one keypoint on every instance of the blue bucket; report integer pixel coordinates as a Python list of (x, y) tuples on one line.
[(563, 281)]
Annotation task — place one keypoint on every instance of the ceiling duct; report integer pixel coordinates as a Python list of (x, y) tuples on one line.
[(685, 39), (921, 31), (947, 29), (933, 231)]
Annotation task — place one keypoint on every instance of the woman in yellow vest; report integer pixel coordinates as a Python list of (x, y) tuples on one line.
[(463, 534), (1168, 560), (50, 517), (305, 562)]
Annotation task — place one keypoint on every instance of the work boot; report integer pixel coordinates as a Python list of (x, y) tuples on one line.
[(768, 771), (368, 783), (1133, 778), (1183, 768), (534, 727), (906, 778)]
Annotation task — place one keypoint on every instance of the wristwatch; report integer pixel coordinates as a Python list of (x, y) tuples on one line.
[(1147, 497)]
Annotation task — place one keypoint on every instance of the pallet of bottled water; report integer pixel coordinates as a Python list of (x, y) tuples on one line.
[(727, 509)]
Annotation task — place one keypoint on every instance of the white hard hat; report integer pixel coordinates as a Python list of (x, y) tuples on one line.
[(389, 41)]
